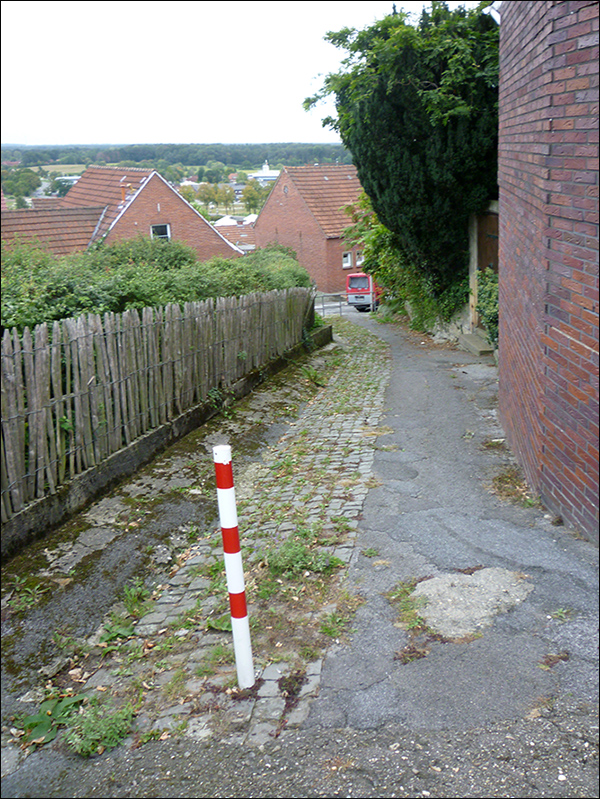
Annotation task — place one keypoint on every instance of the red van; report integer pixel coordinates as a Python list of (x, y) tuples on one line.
[(362, 292)]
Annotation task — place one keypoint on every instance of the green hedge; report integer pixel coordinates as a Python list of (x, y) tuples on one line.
[(39, 287)]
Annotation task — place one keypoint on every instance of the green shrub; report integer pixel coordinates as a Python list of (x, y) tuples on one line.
[(487, 303), (39, 287)]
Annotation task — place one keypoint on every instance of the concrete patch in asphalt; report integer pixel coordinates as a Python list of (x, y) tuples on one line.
[(462, 604)]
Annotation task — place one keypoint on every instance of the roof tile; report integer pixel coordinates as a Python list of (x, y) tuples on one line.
[(327, 190), (113, 187), (60, 230)]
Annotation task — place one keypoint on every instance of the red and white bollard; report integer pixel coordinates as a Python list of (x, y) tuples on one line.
[(233, 566)]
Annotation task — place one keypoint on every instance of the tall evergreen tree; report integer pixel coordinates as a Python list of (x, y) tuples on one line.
[(417, 108)]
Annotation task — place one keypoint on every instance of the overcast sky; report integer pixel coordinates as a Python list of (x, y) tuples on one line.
[(179, 72)]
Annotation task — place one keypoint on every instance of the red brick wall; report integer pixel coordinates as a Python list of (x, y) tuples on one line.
[(548, 253), (158, 204), (286, 219)]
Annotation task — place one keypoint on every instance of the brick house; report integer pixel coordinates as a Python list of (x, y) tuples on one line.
[(548, 251), (127, 202), (305, 211)]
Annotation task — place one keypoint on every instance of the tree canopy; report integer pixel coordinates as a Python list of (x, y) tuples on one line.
[(246, 156), (417, 108), (20, 182)]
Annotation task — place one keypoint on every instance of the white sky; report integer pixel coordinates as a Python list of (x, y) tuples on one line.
[(178, 72)]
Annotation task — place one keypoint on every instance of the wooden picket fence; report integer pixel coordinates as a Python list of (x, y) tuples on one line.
[(77, 391)]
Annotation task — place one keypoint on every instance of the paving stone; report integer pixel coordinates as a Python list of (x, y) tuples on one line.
[(268, 708), (274, 671), (198, 728), (259, 734)]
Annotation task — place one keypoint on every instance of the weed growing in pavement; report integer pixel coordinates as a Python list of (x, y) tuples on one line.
[(290, 687), (562, 614), (135, 652), (70, 645), (332, 625), (221, 622), (411, 652), (369, 552), (189, 619), (179, 729), (309, 653), (43, 726), (215, 572), (284, 467), (135, 598), (341, 524), (114, 635), (192, 533), (218, 655), (408, 606), (175, 688), (267, 588), (510, 484), (146, 737), (495, 444), (99, 727), (25, 594), (548, 661), (294, 557), (311, 374), (168, 643)]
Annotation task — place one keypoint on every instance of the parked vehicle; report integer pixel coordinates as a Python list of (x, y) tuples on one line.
[(362, 292)]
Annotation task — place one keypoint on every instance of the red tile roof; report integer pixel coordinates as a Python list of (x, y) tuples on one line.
[(326, 189), (59, 230), (113, 187), (240, 235), (44, 203)]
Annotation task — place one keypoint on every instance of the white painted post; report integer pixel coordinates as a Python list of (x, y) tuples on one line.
[(233, 566)]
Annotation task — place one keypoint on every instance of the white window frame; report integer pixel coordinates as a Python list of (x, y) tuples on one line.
[(359, 258), (157, 236), (347, 260)]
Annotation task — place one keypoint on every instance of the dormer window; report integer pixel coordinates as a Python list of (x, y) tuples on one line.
[(160, 232)]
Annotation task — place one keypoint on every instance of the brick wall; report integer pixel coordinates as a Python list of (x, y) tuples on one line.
[(158, 204), (548, 250)]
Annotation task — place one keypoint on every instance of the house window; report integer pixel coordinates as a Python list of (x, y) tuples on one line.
[(347, 260), (160, 232), (359, 258)]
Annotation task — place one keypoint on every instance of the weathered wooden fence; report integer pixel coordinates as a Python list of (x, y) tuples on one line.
[(80, 390)]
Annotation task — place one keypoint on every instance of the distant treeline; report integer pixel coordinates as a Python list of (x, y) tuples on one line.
[(243, 156)]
